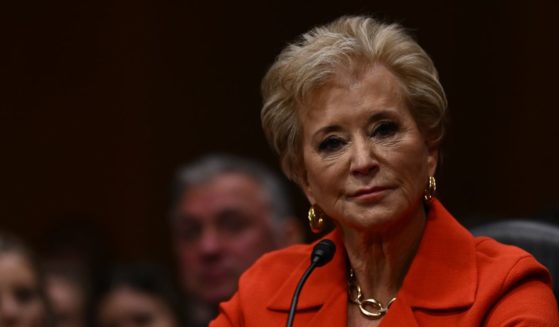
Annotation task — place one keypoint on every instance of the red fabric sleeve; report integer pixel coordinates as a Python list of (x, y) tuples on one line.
[(527, 299)]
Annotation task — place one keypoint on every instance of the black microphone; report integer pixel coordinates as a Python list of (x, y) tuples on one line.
[(321, 254)]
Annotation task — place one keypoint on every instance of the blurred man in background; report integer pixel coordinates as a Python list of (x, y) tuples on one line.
[(227, 212)]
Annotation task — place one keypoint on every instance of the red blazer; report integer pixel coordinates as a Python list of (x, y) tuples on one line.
[(454, 280)]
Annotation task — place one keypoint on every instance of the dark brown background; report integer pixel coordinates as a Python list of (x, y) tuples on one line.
[(104, 99)]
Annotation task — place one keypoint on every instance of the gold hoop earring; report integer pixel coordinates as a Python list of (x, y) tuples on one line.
[(431, 188), (317, 219)]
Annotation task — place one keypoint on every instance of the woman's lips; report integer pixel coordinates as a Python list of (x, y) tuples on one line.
[(369, 194)]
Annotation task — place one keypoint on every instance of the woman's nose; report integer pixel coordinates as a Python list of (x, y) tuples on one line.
[(363, 161)]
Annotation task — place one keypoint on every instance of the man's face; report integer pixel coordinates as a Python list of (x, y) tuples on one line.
[(222, 227)]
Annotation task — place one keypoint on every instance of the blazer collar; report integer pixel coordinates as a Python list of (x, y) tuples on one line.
[(324, 283), (443, 273)]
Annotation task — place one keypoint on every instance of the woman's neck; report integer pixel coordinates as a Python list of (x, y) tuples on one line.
[(380, 260)]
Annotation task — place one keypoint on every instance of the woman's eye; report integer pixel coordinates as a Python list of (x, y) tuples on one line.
[(331, 144), (385, 129)]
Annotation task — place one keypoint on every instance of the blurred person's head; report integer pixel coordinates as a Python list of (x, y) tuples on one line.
[(75, 244), (67, 294), (22, 299), (227, 212), (136, 296), (74, 249)]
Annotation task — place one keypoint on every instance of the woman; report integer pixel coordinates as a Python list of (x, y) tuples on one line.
[(355, 111), (22, 298), (136, 295)]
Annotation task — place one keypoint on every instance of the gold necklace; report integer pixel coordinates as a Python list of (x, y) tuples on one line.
[(356, 297)]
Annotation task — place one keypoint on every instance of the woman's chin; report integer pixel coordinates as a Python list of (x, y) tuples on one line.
[(373, 218), (369, 219)]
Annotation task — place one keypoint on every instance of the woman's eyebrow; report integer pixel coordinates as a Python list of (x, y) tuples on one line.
[(384, 114), (327, 129)]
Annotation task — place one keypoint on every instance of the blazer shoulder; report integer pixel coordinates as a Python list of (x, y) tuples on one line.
[(272, 267), (493, 253), (507, 265), (514, 285)]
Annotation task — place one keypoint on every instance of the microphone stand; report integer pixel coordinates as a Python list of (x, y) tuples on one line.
[(322, 253)]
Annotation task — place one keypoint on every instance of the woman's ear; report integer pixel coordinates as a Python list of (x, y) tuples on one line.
[(432, 159), (309, 193), (307, 189)]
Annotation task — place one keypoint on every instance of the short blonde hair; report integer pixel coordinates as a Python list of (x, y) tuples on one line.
[(349, 42)]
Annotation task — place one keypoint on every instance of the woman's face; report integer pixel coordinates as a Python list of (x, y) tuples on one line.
[(127, 307), (20, 301), (366, 162)]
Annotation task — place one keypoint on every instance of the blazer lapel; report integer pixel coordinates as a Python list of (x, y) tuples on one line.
[(443, 274), (445, 258), (400, 314), (334, 310), (325, 287)]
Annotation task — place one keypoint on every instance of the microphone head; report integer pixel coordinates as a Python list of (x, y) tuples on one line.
[(323, 252)]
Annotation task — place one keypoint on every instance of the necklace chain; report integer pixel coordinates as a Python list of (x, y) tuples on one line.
[(356, 297)]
